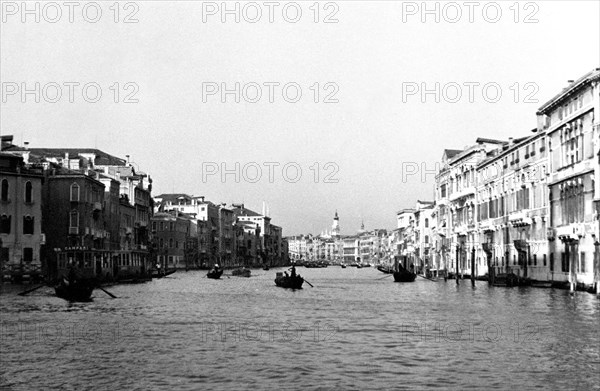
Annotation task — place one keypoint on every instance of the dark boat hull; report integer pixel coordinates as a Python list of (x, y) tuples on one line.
[(214, 274), (289, 282), (404, 276), (241, 272), (75, 292), (160, 274)]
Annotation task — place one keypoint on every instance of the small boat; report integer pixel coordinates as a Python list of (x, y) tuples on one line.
[(215, 274), (75, 290), (266, 267), (289, 281), (343, 265), (243, 272), (403, 275), (358, 266), (157, 273)]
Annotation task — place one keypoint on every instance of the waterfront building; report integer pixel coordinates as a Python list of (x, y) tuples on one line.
[(114, 241), (513, 209), (459, 187), (571, 121), (173, 233), (21, 236)]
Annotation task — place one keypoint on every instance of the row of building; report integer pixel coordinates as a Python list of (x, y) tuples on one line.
[(371, 247), (528, 205), (86, 207)]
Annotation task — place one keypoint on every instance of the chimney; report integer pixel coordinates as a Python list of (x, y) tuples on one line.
[(127, 156), (26, 145), (570, 81), (511, 141)]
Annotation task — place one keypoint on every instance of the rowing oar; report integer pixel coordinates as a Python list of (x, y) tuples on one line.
[(427, 278), (31, 290), (107, 292), (311, 285), (387, 275)]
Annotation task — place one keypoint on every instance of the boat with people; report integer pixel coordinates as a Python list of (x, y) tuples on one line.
[(286, 281), (292, 281), (215, 273), (73, 288), (160, 273), (241, 272), (404, 275)]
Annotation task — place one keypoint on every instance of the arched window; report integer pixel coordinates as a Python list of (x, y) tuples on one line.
[(74, 220), (28, 192), (4, 196), (426, 239), (75, 192), (426, 223), (4, 224), (171, 243)]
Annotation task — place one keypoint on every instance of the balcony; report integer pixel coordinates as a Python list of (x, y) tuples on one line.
[(97, 206), (73, 230)]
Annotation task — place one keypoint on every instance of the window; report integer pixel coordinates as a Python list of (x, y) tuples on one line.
[(176, 244), (161, 226), (5, 224), (171, 226), (28, 192), (426, 223), (74, 220), (28, 254), (171, 243), (4, 196), (3, 255), (27, 225), (544, 259), (154, 226), (75, 192), (582, 262)]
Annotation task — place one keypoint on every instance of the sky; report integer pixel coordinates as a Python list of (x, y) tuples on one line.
[(344, 105)]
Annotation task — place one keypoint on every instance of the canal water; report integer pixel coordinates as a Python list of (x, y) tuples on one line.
[(356, 329)]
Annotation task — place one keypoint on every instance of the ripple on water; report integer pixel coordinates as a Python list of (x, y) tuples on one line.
[(354, 330)]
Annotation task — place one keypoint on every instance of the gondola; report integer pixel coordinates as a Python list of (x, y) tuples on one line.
[(288, 281), (403, 275), (343, 265), (75, 290), (243, 272), (160, 274), (215, 274)]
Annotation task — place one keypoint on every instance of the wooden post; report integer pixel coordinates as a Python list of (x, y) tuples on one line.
[(473, 266), (456, 271)]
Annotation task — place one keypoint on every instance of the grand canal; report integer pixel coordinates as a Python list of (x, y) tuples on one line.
[(355, 329)]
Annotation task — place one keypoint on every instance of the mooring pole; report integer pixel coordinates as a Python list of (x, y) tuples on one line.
[(473, 266)]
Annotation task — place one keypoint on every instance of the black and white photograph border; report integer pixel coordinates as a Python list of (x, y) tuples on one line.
[(299, 195)]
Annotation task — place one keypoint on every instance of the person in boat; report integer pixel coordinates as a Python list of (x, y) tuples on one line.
[(286, 274), (293, 269), (217, 267)]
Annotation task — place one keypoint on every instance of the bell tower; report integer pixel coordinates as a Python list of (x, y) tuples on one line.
[(335, 227)]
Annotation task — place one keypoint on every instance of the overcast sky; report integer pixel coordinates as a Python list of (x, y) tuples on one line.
[(375, 123)]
